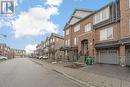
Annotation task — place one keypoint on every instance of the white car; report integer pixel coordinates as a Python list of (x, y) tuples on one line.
[(40, 57), (3, 57), (45, 57)]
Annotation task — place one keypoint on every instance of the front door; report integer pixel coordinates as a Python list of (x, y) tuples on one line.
[(85, 47)]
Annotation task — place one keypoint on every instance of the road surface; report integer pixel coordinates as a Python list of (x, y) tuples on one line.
[(22, 72)]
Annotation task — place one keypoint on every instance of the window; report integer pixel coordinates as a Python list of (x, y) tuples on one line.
[(53, 39), (106, 34), (75, 41), (68, 42), (50, 40), (67, 32), (77, 28), (102, 15), (57, 39), (88, 27)]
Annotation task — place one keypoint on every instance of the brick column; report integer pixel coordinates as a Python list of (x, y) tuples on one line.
[(122, 54)]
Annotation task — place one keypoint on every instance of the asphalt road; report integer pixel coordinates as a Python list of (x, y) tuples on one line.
[(22, 72)]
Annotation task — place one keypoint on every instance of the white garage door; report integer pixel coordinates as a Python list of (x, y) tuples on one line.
[(108, 56), (128, 57)]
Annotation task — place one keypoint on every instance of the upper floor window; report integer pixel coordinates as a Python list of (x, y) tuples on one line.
[(106, 34), (88, 27), (67, 32), (68, 42), (77, 28), (57, 39), (102, 15), (75, 41)]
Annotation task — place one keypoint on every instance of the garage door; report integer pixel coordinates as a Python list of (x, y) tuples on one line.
[(108, 56), (128, 57)]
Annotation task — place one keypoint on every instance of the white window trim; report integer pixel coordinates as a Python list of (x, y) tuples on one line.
[(100, 14), (88, 27), (77, 28), (68, 42), (67, 32), (105, 31), (75, 41), (65, 42)]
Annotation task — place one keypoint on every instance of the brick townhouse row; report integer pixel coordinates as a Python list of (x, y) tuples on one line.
[(11, 52), (50, 47), (103, 34)]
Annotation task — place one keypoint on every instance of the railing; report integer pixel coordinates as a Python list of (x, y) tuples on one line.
[(104, 23)]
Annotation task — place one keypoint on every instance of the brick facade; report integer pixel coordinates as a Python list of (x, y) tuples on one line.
[(117, 45)]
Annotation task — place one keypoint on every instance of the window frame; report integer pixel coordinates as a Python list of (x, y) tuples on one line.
[(104, 34), (88, 27), (68, 42), (67, 32), (98, 17), (75, 41), (77, 28)]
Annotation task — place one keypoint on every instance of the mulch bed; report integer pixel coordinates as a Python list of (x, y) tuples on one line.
[(74, 65)]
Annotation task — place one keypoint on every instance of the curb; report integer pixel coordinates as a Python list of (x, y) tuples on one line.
[(87, 84), (74, 79)]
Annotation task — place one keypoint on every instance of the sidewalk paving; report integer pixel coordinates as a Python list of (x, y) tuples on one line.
[(89, 79)]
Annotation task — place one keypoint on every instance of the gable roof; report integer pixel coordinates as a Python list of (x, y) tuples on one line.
[(76, 17), (92, 13)]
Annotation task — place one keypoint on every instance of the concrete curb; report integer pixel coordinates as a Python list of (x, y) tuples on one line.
[(87, 84), (75, 79)]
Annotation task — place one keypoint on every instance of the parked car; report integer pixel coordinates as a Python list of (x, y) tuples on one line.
[(3, 58), (40, 57), (45, 57)]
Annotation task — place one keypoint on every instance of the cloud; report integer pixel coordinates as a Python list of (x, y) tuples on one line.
[(17, 2), (35, 22), (54, 2), (30, 48)]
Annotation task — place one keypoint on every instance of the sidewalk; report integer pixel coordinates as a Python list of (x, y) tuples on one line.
[(88, 79)]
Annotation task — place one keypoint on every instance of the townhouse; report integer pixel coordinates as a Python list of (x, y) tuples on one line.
[(51, 47), (2, 49), (11, 52), (39, 50), (103, 34), (78, 34), (18, 53), (125, 31)]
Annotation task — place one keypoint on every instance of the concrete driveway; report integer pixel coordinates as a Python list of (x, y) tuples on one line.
[(114, 71)]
